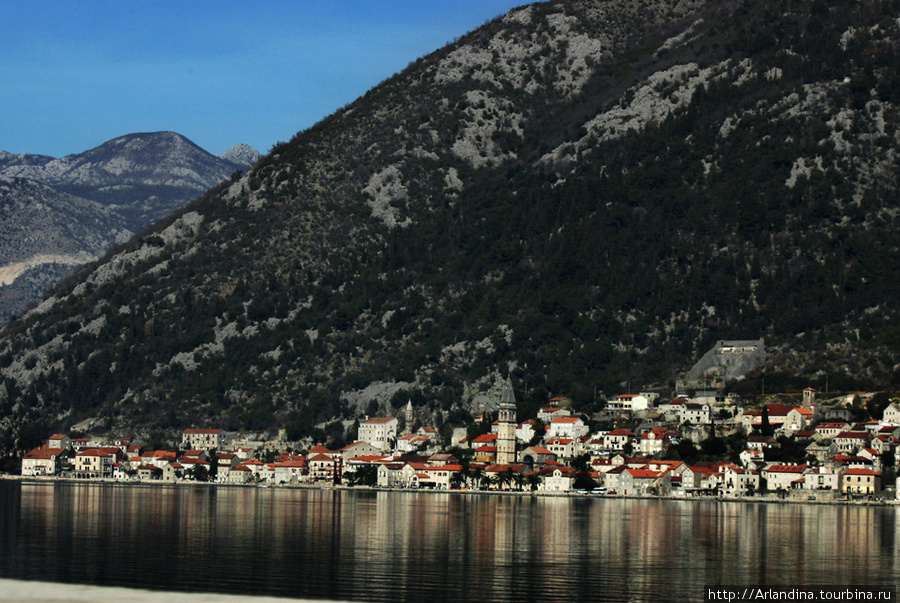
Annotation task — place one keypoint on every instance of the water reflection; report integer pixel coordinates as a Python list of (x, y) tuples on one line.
[(384, 546)]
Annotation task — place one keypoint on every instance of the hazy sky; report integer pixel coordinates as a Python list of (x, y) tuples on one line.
[(76, 74)]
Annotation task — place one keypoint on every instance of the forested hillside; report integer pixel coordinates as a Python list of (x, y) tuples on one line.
[(582, 195)]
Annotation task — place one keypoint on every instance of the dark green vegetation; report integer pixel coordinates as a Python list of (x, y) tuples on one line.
[(470, 202)]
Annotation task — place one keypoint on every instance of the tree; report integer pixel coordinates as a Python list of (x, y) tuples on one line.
[(364, 475), (765, 428), (584, 481), (477, 475), (458, 479), (519, 480), (201, 473)]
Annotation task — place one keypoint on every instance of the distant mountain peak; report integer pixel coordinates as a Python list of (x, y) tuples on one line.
[(241, 154)]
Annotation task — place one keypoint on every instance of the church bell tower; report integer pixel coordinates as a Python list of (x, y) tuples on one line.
[(506, 426)]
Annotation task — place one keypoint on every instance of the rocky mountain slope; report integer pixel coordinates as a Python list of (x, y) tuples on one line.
[(44, 235), (58, 214), (584, 195)]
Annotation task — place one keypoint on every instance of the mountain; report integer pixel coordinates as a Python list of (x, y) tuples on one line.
[(241, 154), (583, 196), (144, 176), (83, 204)]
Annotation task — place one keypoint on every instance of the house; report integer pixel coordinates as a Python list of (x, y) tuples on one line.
[(776, 415), (149, 472), (413, 442), (59, 440), (379, 432), (323, 467), (617, 439), (548, 413), (783, 476), (629, 402), (739, 482), (122, 471), (892, 414), (822, 478), (94, 463), (442, 459), (797, 419), (415, 475), (871, 457), (644, 482), (829, 429), (358, 448), (751, 459), (203, 439), (556, 479), (682, 410), (158, 458), (760, 442), (820, 450), (850, 441), (389, 475), (288, 471), (525, 431), (44, 460), (698, 478), (861, 481), (566, 427), (485, 454), (196, 454), (563, 448), (173, 472), (657, 440), (484, 439), (239, 475), (442, 475)]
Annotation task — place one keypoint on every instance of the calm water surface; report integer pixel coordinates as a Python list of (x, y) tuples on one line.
[(396, 546)]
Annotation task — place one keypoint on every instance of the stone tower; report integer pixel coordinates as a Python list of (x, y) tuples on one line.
[(410, 418), (506, 426), (809, 400)]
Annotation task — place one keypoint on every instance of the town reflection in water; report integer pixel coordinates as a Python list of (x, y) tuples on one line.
[(379, 546)]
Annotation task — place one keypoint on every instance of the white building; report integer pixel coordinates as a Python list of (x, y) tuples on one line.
[(204, 439), (630, 402), (43, 461), (380, 432), (567, 427)]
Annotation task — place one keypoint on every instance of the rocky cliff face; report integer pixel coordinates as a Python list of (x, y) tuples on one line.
[(241, 154), (578, 194)]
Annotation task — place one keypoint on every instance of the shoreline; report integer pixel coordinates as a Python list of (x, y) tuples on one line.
[(767, 499), (32, 591)]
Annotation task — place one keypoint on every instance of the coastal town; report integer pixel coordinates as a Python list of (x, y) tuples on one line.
[(668, 449)]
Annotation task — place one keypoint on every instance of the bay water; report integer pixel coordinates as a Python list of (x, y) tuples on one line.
[(362, 545)]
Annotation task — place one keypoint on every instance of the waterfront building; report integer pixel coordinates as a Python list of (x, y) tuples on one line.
[(738, 482), (861, 481), (43, 461)]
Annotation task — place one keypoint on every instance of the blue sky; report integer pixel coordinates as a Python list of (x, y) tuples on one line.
[(76, 74)]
